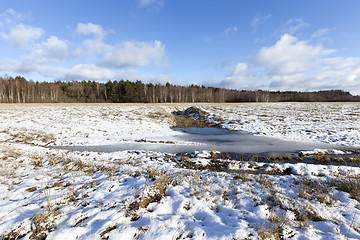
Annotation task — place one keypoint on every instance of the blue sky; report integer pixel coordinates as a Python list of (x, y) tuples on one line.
[(270, 45)]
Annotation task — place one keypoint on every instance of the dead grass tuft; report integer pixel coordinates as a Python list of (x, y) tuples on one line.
[(195, 117), (161, 114), (10, 153), (103, 234), (41, 226), (264, 181), (154, 192), (305, 215), (270, 232), (184, 122), (351, 185), (152, 174), (131, 211), (31, 189), (30, 137), (18, 232), (81, 220), (319, 190)]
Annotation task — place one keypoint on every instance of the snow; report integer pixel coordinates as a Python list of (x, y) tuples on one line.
[(317, 151), (65, 194), (325, 122)]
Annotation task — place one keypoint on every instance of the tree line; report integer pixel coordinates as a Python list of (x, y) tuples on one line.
[(20, 90)]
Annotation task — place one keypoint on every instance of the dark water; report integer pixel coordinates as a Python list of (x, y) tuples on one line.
[(197, 139)]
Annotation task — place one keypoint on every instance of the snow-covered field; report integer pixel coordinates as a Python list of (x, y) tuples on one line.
[(325, 122), (49, 193)]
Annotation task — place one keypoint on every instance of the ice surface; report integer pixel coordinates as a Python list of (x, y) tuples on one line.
[(197, 139)]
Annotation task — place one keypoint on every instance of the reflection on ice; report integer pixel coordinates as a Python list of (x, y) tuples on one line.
[(197, 139), (204, 131)]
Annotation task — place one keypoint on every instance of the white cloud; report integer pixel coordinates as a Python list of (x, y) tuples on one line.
[(51, 50), (354, 75), (235, 80), (82, 72), (153, 6), (146, 3), (21, 35), (93, 72), (230, 30), (294, 25), (259, 19), (17, 33), (134, 54), (320, 33), (293, 64), (134, 75), (89, 72), (289, 56), (92, 46), (90, 29), (240, 68), (32, 67), (98, 58), (9, 17)]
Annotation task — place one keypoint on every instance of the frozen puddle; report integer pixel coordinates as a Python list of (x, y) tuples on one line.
[(223, 140)]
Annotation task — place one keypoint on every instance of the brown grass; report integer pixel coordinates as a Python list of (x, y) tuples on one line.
[(154, 192), (351, 185), (107, 230), (31, 189), (41, 225)]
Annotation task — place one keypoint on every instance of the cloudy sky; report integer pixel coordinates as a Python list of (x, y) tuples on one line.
[(271, 45)]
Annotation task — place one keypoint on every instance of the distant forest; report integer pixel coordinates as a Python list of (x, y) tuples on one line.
[(19, 90)]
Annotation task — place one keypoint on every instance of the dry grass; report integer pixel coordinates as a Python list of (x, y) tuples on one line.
[(31, 189), (103, 234), (81, 220), (41, 225), (28, 137), (264, 181), (154, 192), (242, 175), (316, 189), (15, 234), (195, 117), (50, 206), (270, 232), (350, 184), (161, 114)]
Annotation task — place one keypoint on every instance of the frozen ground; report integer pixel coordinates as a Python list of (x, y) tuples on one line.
[(60, 194)]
